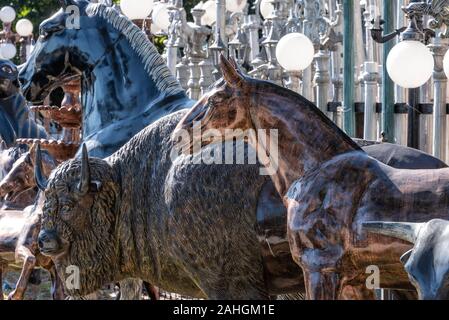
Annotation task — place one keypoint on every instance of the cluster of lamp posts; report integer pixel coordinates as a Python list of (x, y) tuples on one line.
[(295, 51), (24, 28)]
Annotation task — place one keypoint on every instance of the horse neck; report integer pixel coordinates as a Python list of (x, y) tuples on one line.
[(306, 137), (118, 87), (15, 106)]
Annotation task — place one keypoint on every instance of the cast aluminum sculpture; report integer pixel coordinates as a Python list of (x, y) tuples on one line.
[(427, 264), (328, 194), (186, 178), (15, 118)]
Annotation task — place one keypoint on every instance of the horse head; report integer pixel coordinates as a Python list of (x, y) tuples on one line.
[(70, 42), (21, 176), (230, 96)]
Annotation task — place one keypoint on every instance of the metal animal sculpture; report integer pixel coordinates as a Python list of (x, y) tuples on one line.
[(427, 264), (148, 231), (48, 66), (19, 232), (77, 223), (18, 187), (125, 83), (15, 119), (329, 185), (8, 157)]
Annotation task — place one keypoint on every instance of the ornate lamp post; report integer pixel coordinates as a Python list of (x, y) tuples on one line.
[(295, 53), (402, 61), (238, 47), (328, 42), (9, 39), (196, 52), (138, 11)]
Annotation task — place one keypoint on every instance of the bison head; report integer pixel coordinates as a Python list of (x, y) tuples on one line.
[(78, 222)]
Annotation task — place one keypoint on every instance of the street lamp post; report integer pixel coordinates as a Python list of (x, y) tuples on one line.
[(9, 39)]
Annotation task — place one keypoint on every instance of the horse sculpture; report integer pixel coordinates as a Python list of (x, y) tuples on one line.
[(19, 250), (15, 120), (18, 187), (112, 98), (329, 185), (125, 83)]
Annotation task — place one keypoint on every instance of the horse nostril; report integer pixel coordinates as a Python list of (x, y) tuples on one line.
[(41, 244)]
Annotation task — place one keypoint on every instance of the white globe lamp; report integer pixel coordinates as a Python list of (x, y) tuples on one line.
[(160, 16), (136, 9), (266, 8), (24, 27), (410, 64), (295, 52), (235, 5), (210, 14), (7, 14), (8, 50)]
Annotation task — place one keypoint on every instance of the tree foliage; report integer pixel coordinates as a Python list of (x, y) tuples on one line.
[(39, 10)]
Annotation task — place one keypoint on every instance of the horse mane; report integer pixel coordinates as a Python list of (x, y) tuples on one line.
[(270, 87), (153, 63)]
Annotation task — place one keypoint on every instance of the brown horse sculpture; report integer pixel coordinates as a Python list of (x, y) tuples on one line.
[(329, 185), (19, 249), (18, 187)]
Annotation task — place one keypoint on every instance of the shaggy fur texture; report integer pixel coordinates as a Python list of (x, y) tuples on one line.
[(179, 226)]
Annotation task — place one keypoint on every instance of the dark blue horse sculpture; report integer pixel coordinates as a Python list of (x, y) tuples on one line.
[(15, 120), (126, 84)]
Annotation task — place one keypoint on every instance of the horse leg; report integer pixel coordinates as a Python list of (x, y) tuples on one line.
[(321, 284), (359, 292), (153, 292), (57, 288), (29, 262), (131, 289)]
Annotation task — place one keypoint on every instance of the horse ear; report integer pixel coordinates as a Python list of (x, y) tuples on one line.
[(3, 145), (230, 73), (33, 150)]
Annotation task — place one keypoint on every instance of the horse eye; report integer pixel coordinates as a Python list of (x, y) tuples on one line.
[(65, 208), (43, 34), (7, 69)]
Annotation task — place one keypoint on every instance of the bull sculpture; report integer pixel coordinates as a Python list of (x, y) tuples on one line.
[(427, 263)]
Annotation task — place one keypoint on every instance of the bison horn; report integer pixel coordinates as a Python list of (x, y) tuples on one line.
[(41, 182), (231, 75), (401, 230), (84, 184)]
